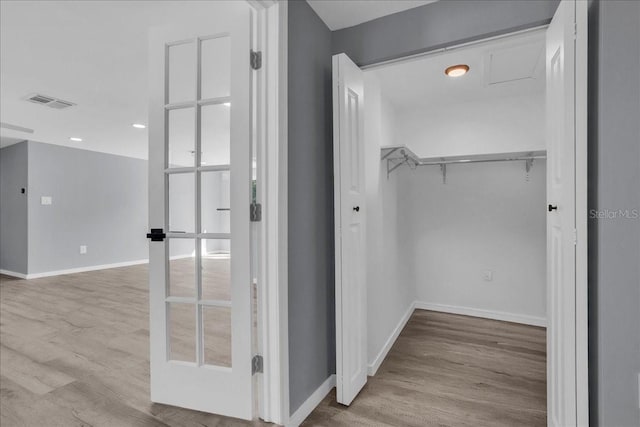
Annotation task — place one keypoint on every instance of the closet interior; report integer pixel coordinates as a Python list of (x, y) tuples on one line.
[(455, 171)]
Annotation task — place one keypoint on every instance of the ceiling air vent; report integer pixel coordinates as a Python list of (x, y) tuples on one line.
[(48, 101)]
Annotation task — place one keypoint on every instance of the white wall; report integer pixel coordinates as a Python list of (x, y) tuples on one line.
[(486, 217), (389, 296), (500, 125), (429, 243)]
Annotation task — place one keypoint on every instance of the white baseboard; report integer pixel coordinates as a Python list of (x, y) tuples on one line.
[(486, 314), (13, 274), (180, 257), (373, 366), (312, 402), (83, 269)]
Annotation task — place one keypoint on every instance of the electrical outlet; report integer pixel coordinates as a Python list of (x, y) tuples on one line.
[(487, 275), (83, 249), (46, 200)]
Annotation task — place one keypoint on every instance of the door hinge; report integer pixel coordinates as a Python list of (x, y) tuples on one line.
[(156, 235), (256, 364), (256, 60), (255, 212), (575, 236)]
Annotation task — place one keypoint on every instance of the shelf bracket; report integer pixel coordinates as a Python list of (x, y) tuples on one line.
[(393, 150), (528, 165), (394, 167), (443, 169)]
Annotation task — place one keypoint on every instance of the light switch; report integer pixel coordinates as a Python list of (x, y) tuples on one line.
[(487, 275), (83, 249), (46, 200)]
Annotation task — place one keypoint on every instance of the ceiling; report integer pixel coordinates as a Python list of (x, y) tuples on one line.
[(338, 14), (69, 50), (93, 54), (506, 67)]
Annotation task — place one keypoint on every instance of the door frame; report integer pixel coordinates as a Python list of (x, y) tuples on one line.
[(581, 261), (269, 123), (272, 18)]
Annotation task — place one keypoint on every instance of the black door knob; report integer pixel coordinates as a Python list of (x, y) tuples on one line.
[(357, 208), (552, 208)]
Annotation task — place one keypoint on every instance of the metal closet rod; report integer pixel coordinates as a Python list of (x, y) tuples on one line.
[(450, 162)]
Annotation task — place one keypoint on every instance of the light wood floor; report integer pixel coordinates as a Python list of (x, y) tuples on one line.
[(74, 352), (450, 370)]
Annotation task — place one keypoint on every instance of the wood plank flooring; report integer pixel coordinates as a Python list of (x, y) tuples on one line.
[(74, 352), (450, 370)]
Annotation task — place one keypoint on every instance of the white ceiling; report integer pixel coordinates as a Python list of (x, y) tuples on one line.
[(512, 66), (95, 55), (91, 53), (338, 14)]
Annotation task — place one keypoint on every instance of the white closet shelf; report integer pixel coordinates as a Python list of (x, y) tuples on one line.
[(400, 155)]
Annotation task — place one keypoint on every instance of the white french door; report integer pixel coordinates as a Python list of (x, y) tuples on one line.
[(567, 400), (199, 196), (349, 196)]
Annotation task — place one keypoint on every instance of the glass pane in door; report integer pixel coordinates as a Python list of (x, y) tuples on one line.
[(182, 331), (216, 324), (182, 203), (216, 69), (215, 128), (181, 138), (182, 72), (182, 268), (216, 269), (215, 202)]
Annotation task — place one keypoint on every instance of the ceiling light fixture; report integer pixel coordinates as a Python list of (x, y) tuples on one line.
[(75, 139), (457, 70), (227, 104), (138, 126)]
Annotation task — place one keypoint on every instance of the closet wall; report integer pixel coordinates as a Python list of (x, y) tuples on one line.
[(389, 294), (487, 218), (498, 125)]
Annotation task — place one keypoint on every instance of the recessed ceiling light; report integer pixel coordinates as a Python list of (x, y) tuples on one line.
[(138, 126), (75, 139), (457, 70), (227, 104)]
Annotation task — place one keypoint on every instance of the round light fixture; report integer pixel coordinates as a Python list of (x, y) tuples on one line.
[(75, 139), (138, 126), (457, 70)]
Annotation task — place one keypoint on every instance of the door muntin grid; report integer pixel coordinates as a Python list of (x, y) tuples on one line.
[(209, 340)]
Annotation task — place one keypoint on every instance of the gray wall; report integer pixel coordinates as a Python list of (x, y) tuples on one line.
[(13, 208), (437, 25), (311, 242), (99, 200), (614, 183), (311, 226), (614, 170)]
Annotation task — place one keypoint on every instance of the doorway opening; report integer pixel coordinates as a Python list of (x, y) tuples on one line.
[(465, 222)]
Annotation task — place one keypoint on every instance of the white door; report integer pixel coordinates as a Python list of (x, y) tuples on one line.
[(348, 165), (199, 194), (563, 129)]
